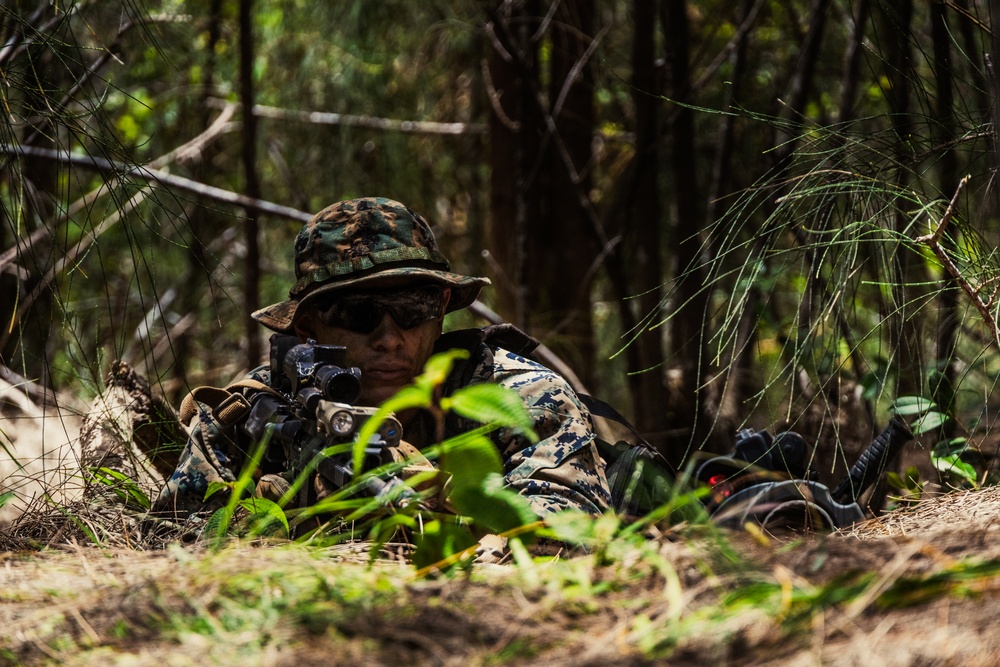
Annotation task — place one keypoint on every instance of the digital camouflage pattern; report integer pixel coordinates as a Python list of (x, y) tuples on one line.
[(562, 470), (373, 242), (365, 240)]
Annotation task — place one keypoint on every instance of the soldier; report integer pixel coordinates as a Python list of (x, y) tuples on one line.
[(370, 277)]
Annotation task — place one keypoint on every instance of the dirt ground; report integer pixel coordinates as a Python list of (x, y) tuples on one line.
[(919, 586), (74, 604)]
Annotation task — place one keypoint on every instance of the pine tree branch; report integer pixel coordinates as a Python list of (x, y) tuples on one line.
[(933, 241)]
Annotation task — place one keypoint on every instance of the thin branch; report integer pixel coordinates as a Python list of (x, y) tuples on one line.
[(156, 177), (933, 241), (577, 68), (188, 150), (390, 124), (493, 95)]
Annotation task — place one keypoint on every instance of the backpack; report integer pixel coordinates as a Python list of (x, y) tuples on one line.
[(639, 476)]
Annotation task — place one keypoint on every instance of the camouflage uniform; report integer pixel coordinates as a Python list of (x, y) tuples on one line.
[(351, 243), (562, 470)]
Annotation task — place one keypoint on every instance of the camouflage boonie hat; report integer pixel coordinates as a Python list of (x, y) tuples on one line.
[(361, 241)]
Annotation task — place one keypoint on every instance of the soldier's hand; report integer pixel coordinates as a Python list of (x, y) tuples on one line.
[(492, 549), (323, 487), (272, 487)]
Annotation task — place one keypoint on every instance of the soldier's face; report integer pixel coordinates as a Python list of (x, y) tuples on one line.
[(389, 356)]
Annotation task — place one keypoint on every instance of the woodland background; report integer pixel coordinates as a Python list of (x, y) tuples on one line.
[(709, 210)]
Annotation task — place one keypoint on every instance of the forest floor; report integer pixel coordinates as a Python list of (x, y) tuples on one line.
[(917, 587)]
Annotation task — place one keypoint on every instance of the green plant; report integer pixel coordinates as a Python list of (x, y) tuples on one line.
[(908, 486), (954, 457), (121, 485), (475, 490)]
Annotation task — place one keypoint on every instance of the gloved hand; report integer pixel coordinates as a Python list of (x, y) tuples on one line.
[(272, 487), (492, 549)]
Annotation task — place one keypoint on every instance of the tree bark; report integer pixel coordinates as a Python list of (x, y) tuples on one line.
[(689, 330), (642, 232), (251, 273), (506, 232), (193, 286), (895, 27), (559, 289), (945, 380), (543, 226)]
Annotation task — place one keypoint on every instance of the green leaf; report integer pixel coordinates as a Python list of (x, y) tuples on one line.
[(441, 540), (216, 487), (489, 403), (122, 485), (5, 497), (438, 367), (953, 465), (951, 447), (470, 461), (264, 516), (893, 479), (478, 490), (493, 506), (912, 405), (218, 524), (929, 422)]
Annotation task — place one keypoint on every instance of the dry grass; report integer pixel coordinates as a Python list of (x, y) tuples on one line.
[(911, 594), (38, 451), (98, 582)]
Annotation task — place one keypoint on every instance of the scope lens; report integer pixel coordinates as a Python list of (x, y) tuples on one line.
[(338, 384)]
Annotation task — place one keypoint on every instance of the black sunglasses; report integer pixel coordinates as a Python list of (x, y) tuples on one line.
[(363, 313)]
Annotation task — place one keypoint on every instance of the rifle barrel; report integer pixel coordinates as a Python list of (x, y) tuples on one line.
[(873, 461)]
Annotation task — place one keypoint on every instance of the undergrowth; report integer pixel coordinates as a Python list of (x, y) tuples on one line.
[(687, 592)]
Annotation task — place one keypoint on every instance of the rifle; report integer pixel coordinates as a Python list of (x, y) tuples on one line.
[(767, 480), (311, 410)]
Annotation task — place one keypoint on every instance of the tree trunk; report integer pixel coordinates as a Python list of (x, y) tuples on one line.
[(944, 380), (251, 273), (690, 329), (559, 289), (642, 234), (895, 28), (192, 288), (541, 226)]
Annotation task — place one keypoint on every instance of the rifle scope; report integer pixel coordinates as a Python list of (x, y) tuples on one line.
[(315, 371)]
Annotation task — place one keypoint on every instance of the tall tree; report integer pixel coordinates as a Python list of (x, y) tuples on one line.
[(642, 228), (944, 380), (546, 225), (251, 285), (689, 332), (896, 34)]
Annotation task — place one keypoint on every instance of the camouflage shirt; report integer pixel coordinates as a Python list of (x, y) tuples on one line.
[(562, 470)]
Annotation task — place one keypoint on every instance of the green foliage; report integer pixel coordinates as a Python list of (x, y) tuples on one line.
[(908, 486), (122, 486), (470, 462), (266, 518), (953, 457)]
